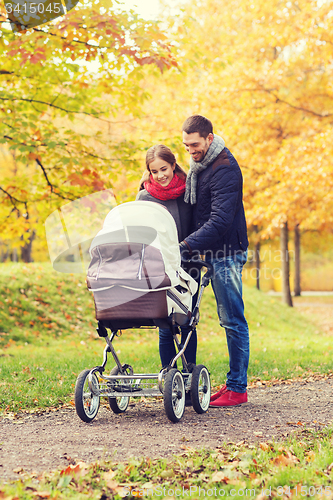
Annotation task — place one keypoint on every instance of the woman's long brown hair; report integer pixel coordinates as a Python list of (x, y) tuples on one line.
[(164, 153)]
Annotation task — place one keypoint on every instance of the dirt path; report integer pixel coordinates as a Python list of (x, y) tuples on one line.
[(52, 440)]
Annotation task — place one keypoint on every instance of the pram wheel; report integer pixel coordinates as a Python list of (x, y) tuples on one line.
[(174, 395), (86, 403), (200, 389), (120, 404)]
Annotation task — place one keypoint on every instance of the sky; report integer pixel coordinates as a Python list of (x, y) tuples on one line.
[(148, 9)]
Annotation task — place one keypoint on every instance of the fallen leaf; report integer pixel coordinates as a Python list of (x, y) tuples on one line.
[(261, 496), (310, 456), (108, 478), (187, 448), (84, 468), (166, 474), (118, 488), (148, 485), (18, 470), (264, 446), (220, 477), (242, 484), (70, 470), (112, 485), (285, 460)]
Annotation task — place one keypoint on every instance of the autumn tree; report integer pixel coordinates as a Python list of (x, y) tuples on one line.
[(67, 89)]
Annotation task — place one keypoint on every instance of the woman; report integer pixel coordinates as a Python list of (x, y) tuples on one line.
[(164, 182)]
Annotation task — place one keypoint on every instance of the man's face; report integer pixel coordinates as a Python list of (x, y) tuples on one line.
[(196, 145)]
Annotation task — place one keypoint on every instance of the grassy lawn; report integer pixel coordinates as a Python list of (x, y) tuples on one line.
[(47, 336)]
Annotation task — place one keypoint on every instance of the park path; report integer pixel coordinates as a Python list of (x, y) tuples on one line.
[(37, 443)]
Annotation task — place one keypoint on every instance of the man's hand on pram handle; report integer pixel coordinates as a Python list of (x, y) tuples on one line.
[(185, 252), (187, 255)]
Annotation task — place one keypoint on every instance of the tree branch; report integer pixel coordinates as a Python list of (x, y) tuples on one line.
[(12, 198), (278, 99), (39, 163), (94, 115), (300, 108), (104, 159)]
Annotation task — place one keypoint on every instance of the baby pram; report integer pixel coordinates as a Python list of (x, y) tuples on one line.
[(137, 281)]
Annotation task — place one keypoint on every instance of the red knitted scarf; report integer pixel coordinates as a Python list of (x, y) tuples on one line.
[(172, 191)]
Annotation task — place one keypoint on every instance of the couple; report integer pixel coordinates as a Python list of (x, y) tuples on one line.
[(208, 210)]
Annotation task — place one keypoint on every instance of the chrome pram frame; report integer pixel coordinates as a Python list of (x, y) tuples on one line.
[(169, 383)]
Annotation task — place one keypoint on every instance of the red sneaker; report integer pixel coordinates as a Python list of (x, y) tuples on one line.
[(229, 398), (219, 393)]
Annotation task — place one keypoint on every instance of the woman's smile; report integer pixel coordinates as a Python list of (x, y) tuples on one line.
[(162, 171)]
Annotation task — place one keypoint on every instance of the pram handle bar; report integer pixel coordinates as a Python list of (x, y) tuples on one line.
[(194, 260), (195, 313)]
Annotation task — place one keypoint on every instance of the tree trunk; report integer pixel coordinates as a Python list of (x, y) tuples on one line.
[(257, 250), (297, 279), (27, 248), (286, 295), (13, 256), (257, 259), (4, 252)]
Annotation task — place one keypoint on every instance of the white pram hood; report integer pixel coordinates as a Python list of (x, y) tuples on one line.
[(137, 250), (156, 227)]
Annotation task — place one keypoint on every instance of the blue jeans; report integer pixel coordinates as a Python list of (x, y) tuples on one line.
[(168, 349), (227, 286)]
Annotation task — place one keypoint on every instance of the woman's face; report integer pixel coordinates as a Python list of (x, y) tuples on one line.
[(162, 171)]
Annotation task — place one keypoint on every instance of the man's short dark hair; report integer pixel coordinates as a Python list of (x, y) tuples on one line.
[(198, 123)]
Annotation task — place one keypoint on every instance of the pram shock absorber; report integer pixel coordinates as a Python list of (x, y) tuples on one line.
[(137, 281)]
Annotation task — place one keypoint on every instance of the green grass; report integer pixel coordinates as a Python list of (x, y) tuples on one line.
[(47, 332), (299, 467), (42, 376), (284, 343)]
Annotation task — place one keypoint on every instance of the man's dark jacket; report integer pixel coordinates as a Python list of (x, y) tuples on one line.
[(219, 223)]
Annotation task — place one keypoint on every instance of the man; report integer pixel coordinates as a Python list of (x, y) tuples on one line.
[(214, 187)]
